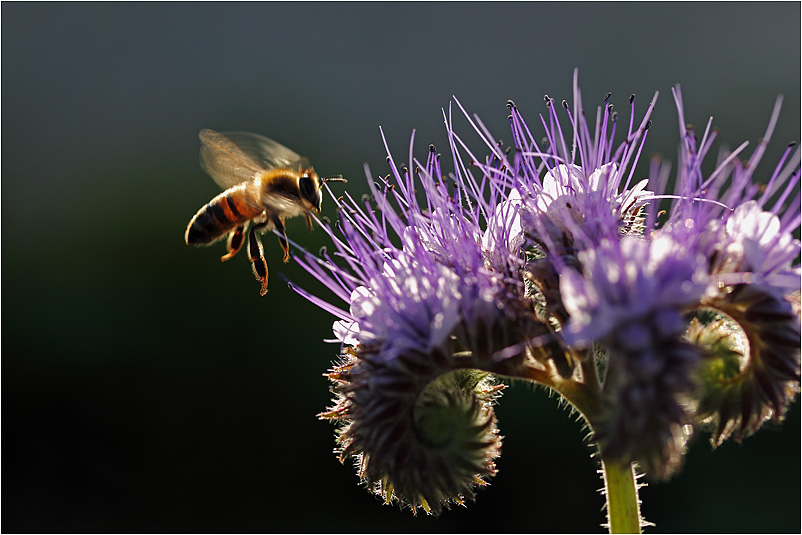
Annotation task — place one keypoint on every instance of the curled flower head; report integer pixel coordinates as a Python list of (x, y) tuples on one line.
[(429, 292), (426, 450), (751, 366), (417, 432), (750, 370), (629, 297)]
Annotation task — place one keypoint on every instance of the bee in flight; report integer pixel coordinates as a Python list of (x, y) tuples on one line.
[(264, 183)]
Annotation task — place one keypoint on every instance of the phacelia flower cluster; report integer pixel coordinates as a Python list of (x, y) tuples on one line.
[(656, 307)]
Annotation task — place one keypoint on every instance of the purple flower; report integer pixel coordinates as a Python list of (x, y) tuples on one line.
[(572, 194), (742, 226), (408, 306), (425, 298), (630, 282), (550, 263), (579, 190), (744, 230), (630, 297)]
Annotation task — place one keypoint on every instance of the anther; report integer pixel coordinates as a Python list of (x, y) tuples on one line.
[(648, 124), (614, 116), (365, 198), (632, 98), (607, 96), (565, 104), (322, 251), (432, 148), (792, 144)]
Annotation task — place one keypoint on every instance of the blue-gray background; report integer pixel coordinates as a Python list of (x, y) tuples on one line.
[(147, 386)]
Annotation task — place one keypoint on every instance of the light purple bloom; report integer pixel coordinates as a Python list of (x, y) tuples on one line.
[(420, 282), (745, 229), (407, 307), (625, 282)]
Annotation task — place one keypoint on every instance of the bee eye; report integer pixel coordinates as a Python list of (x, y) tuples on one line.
[(309, 190), (307, 186)]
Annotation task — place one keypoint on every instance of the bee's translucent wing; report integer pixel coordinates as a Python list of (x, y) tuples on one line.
[(224, 161), (266, 152)]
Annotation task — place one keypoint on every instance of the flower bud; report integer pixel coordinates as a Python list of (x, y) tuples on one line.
[(748, 377), (417, 435), (645, 417)]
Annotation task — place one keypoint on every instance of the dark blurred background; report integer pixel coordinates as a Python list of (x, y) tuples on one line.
[(146, 387)]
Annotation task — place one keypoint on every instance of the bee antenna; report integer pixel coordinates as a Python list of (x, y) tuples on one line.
[(335, 178)]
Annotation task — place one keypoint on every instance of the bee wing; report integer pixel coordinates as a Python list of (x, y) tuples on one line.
[(226, 163), (266, 152)]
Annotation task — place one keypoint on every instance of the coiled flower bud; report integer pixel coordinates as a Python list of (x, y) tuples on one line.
[(416, 434), (645, 418), (430, 294), (630, 297), (748, 377)]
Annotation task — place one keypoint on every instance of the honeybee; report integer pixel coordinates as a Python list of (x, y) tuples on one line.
[(264, 183)]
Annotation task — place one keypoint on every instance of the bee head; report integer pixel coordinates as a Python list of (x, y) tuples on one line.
[(310, 190)]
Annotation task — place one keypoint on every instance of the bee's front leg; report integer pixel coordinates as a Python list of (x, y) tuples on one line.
[(256, 254), (282, 238), (309, 221), (235, 240)]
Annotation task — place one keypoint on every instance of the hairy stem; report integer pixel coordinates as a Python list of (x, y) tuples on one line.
[(621, 490), (620, 487)]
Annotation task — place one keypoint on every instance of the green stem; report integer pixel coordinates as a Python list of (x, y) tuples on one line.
[(621, 490)]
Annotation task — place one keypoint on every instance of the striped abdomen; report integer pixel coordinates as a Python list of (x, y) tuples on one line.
[(223, 214)]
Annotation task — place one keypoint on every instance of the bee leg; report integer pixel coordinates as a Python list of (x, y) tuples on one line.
[(256, 254), (279, 222), (235, 240), (309, 221)]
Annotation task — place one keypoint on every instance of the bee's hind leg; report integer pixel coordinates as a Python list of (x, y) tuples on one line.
[(256, 254), (282, 238), (235, 240)]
